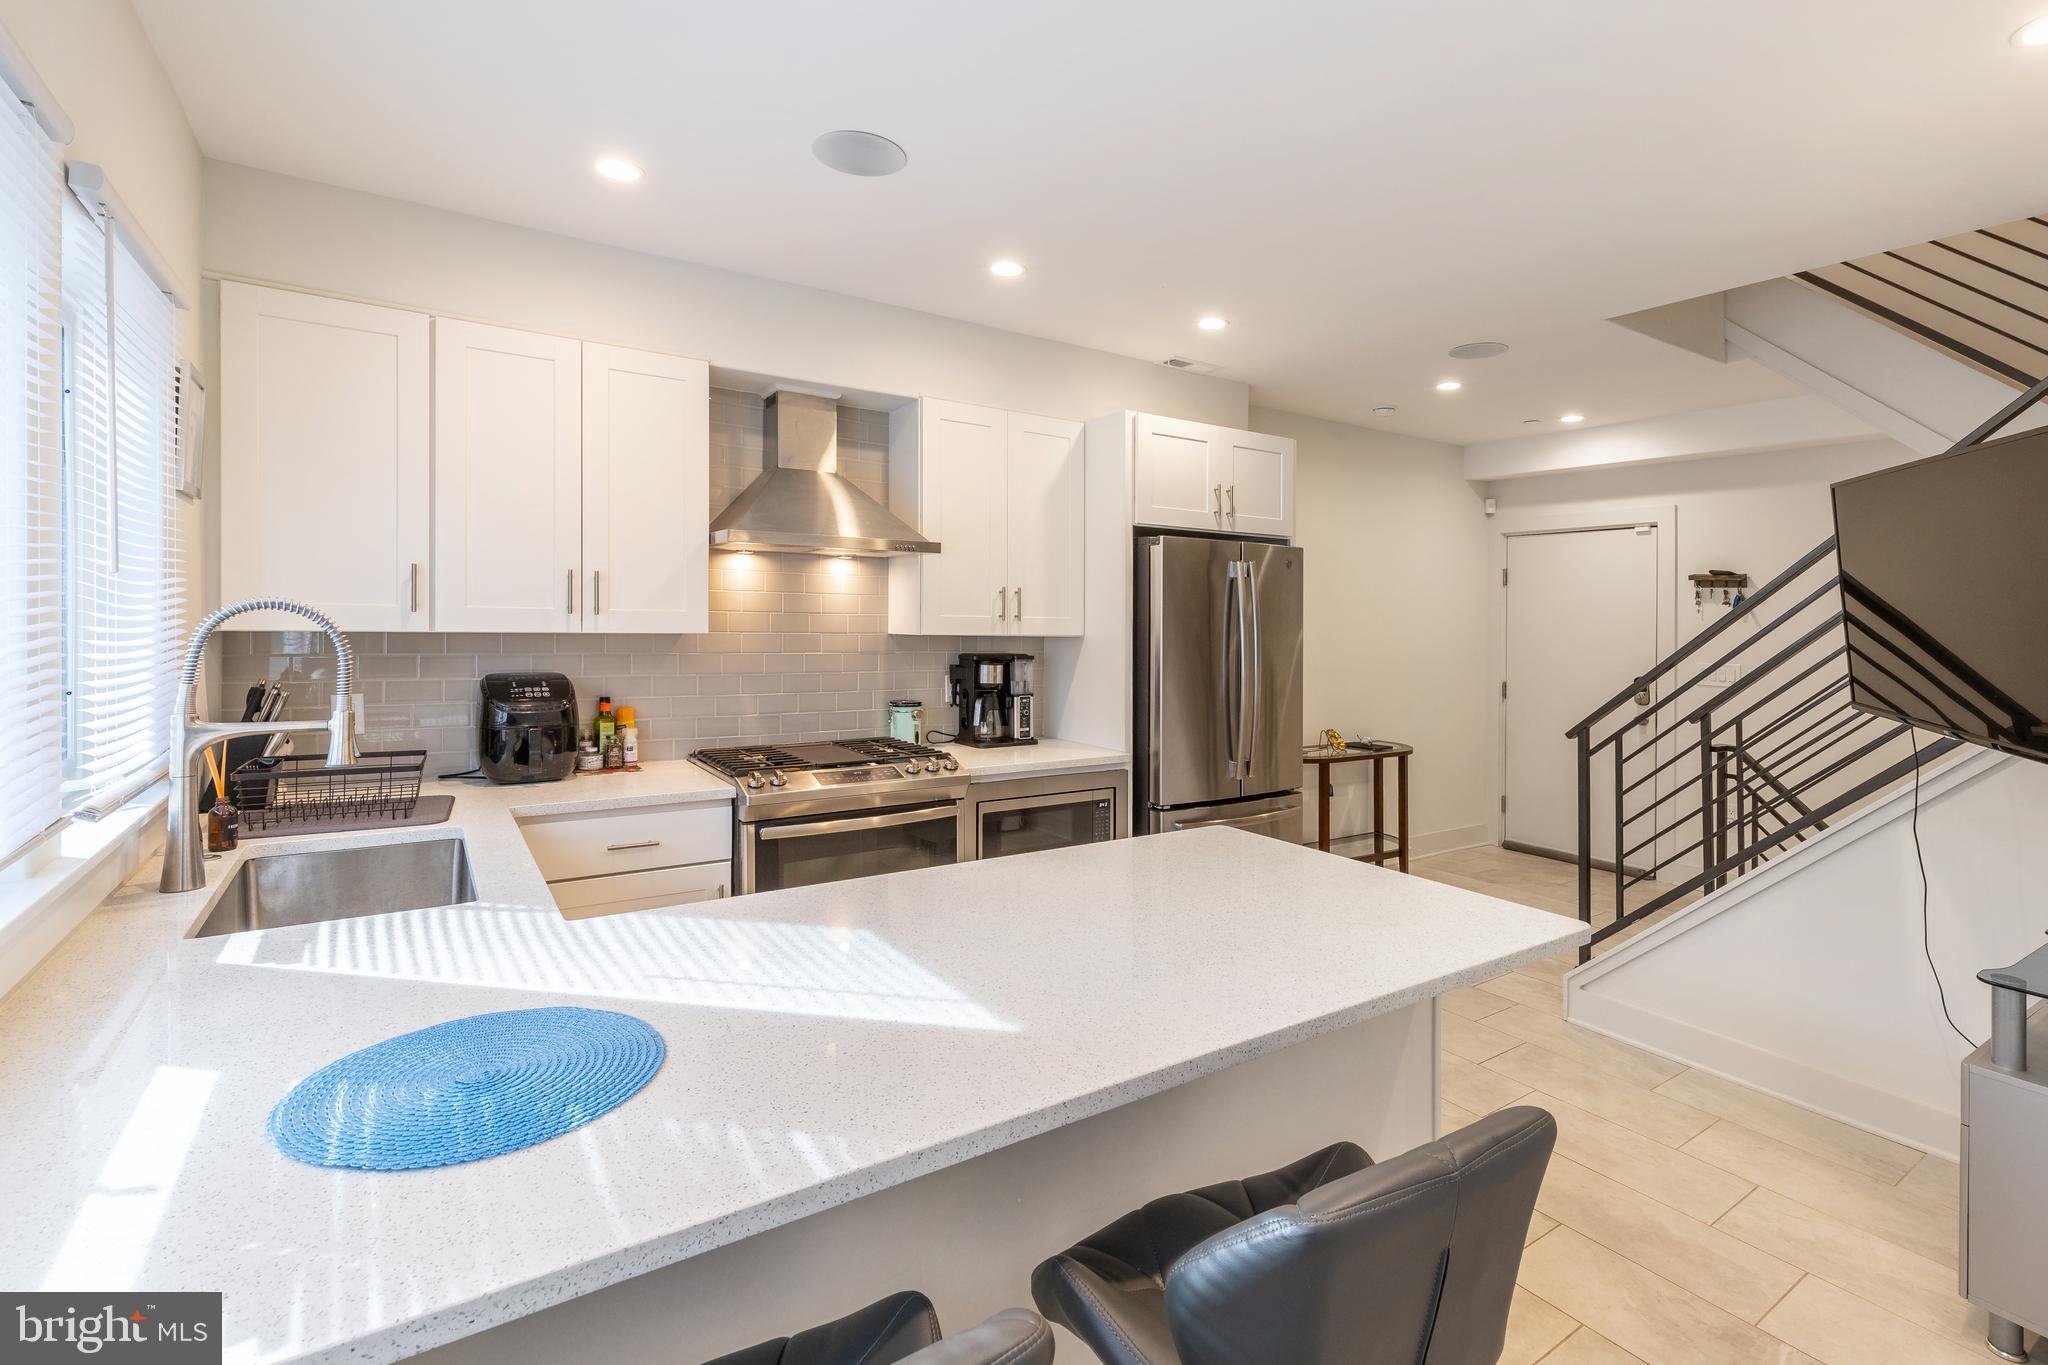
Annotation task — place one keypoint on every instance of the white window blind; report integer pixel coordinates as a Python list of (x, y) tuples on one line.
[(31, 639), (123, 561)]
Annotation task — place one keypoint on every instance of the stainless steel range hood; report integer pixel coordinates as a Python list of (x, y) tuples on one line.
[(801, 503)]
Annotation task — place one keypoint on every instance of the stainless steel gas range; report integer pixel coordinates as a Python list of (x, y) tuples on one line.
[(828, 810)]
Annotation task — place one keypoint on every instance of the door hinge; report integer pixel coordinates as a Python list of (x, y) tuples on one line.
[(1503, 803), (1503, 689), (1503, 578)]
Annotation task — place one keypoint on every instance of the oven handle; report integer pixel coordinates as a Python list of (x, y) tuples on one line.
[(851, 824)]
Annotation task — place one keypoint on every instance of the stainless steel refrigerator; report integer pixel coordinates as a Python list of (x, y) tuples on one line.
[(1217, 715)]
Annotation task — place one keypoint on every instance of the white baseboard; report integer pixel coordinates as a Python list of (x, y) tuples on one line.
[(1786, 1078), (1424, 845)]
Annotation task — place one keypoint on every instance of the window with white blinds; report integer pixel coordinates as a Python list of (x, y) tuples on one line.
[(31, 639), (123, 565)]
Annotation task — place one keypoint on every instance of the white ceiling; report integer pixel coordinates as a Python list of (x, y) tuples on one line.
[(1357, 186)]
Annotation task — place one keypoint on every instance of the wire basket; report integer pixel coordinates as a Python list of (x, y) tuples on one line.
[(297, 788)]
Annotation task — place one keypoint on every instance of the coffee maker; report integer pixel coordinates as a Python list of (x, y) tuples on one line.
[(993, 694)]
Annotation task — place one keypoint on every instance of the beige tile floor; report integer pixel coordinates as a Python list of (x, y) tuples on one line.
[(1687, 1220)]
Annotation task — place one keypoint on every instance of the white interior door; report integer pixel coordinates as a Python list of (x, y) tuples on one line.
[(1045, 522), (964, 452), (323, 429), (646, 485), (1581, 622), (508, 483)]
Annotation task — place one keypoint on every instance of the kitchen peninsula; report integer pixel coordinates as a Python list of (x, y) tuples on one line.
[(933, 1078)]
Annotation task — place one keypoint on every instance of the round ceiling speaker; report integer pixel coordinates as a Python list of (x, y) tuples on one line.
[(1478, 350), (858, 153)]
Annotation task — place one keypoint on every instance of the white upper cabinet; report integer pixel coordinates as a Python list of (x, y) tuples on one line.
[(1199, 477), (1180, 473), (646, 488), (1258, 495), (962, 478), (1002, 494), (1044, 531), (324, 481), (507, 479)]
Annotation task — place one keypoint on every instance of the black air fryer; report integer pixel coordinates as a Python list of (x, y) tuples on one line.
[(526, 728)]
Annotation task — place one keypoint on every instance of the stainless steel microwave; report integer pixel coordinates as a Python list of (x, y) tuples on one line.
[(1062, 810)]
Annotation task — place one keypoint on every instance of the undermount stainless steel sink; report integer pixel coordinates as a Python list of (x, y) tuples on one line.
[(341, 883)]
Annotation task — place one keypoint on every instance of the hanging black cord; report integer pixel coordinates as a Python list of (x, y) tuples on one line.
[(1920, 858)]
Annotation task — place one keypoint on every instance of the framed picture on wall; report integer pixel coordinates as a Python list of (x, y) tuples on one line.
[(191, 415)]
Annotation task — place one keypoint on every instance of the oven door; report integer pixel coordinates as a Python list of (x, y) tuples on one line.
[(813, 849)]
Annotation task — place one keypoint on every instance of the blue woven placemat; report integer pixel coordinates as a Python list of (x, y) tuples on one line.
[(466, 1089)]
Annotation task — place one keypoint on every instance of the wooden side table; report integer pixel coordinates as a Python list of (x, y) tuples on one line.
[(1321, 760)]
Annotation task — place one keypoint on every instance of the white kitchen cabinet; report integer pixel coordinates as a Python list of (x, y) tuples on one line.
[(625, 891), (1043, 534), (324, 484), (1199, 477), (1002, 494), (646, 489), (508, 482)]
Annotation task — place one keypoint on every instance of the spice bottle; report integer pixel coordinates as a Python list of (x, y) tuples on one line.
[(629, 739)]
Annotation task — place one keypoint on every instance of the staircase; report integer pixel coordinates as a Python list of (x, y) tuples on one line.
[(1730, 753)]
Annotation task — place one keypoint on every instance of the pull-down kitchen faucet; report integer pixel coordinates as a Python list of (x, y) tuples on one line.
[(184, 863)]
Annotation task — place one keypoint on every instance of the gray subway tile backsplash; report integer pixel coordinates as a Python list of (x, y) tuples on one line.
[(796, 649)]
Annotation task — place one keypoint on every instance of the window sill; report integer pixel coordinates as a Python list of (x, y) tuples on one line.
[(80, 866)]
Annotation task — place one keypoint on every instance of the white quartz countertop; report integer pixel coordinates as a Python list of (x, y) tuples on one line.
[(823, 1043), (1034, 760)]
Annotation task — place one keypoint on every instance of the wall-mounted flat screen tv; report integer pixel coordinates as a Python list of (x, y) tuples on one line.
[(1944, 566)]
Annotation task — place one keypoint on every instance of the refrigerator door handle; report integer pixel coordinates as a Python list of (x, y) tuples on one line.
[(1233, 651), (1253, 663)]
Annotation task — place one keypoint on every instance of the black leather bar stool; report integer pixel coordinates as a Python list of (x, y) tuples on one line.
[(903, 1330), (1332, 1259)]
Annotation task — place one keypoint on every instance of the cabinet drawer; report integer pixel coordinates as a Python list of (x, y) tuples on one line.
[(623, 891), (592, 844)]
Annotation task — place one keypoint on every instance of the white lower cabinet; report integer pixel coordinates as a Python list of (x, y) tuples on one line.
[(609, 861), (620, 892), (1002, 493)]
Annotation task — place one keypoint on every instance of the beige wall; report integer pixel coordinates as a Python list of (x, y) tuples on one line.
[(1395, 616)]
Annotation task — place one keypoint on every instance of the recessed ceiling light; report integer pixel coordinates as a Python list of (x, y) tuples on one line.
[(619, 169), (1007, 269), (2033, 35), (1573, 417), (1531, 421), (1478, 350), (1449, 386), (858, 153), (1383, 410), (1212, 323)]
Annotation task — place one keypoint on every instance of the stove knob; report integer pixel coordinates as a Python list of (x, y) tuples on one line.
[(753, 782), (931, 765), (910, 769), (950, 763), (777, 780)]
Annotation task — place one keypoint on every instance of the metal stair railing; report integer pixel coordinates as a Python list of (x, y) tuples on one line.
[(1751, 748)]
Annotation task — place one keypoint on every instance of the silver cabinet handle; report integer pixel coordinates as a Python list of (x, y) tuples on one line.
[(571, 608), (597, 592), (637, 843), (415, 588), (1003, 602), (1217, 493), (1230, 490), (1020, 604)]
